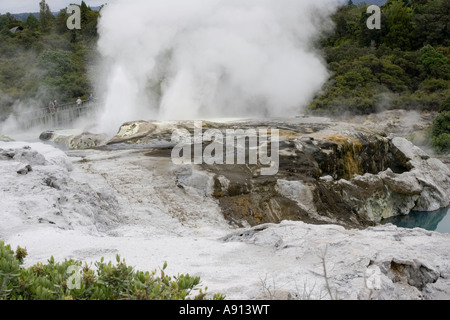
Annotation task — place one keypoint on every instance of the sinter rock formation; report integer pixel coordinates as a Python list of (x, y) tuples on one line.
[(329, 172), (88, 204)]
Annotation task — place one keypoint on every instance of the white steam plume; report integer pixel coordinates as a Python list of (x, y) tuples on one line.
[(198, 59)]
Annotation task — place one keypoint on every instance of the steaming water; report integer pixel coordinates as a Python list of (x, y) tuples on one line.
[(435, 221), (179, 60)]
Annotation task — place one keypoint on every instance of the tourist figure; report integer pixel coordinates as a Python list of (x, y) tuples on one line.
[(51, 107), (79, 102), (91, 98), (56, 106)]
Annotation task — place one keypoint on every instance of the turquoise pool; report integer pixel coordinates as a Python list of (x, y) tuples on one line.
[(435, 221)]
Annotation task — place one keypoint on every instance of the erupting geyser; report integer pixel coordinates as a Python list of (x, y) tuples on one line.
[(177, 59)]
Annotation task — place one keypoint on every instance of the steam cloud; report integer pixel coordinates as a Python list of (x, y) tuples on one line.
[(200, 59)]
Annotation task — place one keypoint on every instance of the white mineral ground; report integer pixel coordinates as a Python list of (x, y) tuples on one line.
[(89, 204)]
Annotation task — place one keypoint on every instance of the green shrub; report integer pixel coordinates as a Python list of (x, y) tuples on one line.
[(442, 142), (441, 124), (441, 132), (445, 105), (434, 62), (70, 280)]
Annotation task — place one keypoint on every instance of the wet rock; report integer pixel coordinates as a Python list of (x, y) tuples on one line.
[(405, 183), (52, 183), (29, 156), (6, 154), (412, 272), (132, 132), (298, 192), (74, 139), (24, 169), (46, 135), (87, 141), (330, 177), (4, 138)]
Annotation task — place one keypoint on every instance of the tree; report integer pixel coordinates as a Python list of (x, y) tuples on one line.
[(445, 105), (32, 22), (441, 124), (400, 27), (372, 36), (441, 132), (84, 11), (61, 21), (3, 20), (45, 16), (432, 22), (56, 63), (8, 21), (434, 62), (89, 29)]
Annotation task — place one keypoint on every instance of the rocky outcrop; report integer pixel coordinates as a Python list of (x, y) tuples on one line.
[(74, 139), (383, 262), (38, 186), (424, 187), (4, 138), (89, 204), (328, 171)]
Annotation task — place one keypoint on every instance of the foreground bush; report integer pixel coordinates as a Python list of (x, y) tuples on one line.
[(441, 132), (70, 280)]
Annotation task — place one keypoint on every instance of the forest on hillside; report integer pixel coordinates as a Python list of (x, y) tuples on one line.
[(43, 60), (404, 65)]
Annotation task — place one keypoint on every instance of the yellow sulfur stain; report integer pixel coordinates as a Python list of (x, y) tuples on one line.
[(350, 148)]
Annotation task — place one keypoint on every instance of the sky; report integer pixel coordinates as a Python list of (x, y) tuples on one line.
[(15, 6)]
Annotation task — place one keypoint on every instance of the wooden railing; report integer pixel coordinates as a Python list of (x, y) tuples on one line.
[(59, 118)]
